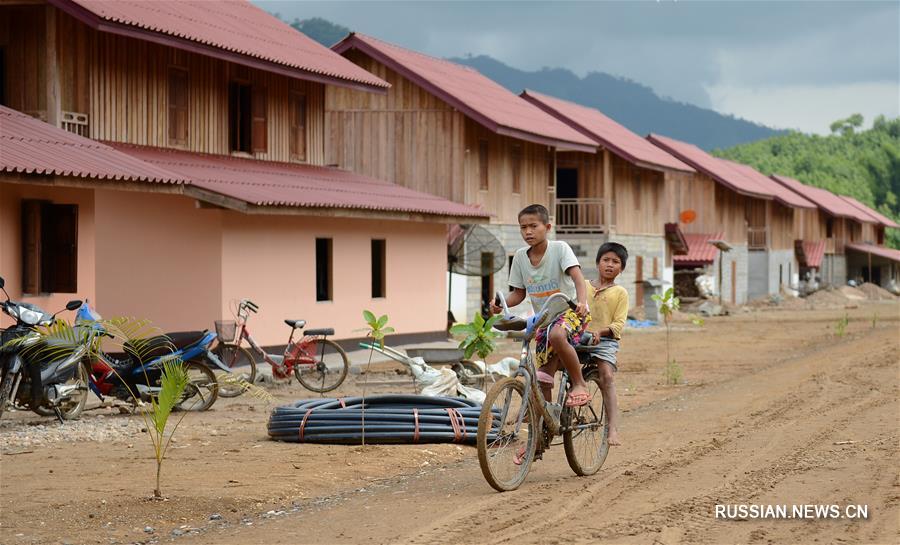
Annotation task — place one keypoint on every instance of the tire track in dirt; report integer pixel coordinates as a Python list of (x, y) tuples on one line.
[(824, 403)]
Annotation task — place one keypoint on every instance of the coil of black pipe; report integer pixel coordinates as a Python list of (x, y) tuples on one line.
[(391, 418)]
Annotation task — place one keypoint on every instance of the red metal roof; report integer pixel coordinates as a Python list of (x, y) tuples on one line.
[(887, 253), (782, 194), (477, 96), (265, 183), (247, 33), (874, 216), (824, 199), (700, 251), (30, 146), (814, 250), (593, 124)]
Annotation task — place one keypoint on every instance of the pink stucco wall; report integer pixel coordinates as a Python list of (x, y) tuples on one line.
[(271, 260), (11, 196), (162, 258), (158, 258)]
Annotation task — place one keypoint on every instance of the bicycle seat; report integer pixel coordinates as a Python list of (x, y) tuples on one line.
[(323, 331), (295, 323), (515, 324)]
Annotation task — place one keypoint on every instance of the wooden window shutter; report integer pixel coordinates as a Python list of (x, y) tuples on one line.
[(178, 106), (259, 126), (483, 164), (298, 126), (31, 246), (59, 248)]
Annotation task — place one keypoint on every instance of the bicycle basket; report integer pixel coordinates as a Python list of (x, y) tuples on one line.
[(226, 330)]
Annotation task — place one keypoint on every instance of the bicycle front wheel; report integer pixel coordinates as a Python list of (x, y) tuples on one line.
[(585, 437), (507, 436), (243, 369), (326, 366)]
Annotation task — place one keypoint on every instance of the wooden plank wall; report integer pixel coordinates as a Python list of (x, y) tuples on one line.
[(809, 224), (590, 171), (499, 197), (717, 208), (122, 84), (781, 226), (639, 194), (407, 136), (23, 37)]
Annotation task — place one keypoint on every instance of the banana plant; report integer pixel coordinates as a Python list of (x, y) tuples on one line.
[(479, 336)]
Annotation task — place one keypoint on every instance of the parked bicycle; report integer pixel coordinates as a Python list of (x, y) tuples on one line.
[(318, 363), (517, 425)]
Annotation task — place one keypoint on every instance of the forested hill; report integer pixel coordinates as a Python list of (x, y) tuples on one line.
[(864, 164), (634, 105)]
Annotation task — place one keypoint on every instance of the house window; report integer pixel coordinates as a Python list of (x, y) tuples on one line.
[(49, 247), (517, 168), (3, 77), (323, 269), (378, 268), (298, 126), (879, 236), (247, 118), (829, 227), (178, 107), (483, 164)]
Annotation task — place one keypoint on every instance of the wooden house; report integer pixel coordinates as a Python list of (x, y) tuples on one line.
[(445, 129), (868, 260), (751, 213), (174, 161), (615, 194)]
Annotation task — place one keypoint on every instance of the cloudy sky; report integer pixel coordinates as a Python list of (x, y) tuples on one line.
[(785, 64)]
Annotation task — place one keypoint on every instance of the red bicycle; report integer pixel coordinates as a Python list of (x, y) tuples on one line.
[(318, 363)]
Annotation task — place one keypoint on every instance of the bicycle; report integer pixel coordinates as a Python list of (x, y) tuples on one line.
[(517, 425), (319, 364)]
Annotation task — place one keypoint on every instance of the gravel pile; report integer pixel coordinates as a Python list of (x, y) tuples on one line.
[(15, 435)]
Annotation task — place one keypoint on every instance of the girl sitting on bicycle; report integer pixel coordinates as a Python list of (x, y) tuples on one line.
[(540, 270)]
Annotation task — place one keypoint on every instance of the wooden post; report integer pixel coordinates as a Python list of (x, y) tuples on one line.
[(54, 110), (639, 281), (734, 282), (869, 279), (721, 287), (607, 191)]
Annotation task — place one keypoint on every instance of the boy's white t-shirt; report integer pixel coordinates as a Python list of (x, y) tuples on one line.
[(548, 277)]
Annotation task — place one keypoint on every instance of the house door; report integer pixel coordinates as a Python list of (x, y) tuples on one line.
[(566, 195), (487, 283)]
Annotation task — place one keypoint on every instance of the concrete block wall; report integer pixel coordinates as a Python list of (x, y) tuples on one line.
[(782, 263), (741, 257), (834, 270)]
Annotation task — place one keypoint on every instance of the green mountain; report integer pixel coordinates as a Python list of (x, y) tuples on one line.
[(634, 105), (864, 164)]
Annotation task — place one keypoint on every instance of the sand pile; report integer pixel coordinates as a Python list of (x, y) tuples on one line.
[(875, 292), (854, 294)]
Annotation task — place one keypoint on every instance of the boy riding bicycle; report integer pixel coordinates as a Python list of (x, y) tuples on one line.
[(543, 268)]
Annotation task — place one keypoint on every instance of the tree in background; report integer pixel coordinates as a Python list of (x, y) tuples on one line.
[(864, 164), (321, 30)]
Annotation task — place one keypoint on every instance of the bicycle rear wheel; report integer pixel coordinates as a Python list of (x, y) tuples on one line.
[(506, 435), (585, 437), (243, 369), (328, 370)]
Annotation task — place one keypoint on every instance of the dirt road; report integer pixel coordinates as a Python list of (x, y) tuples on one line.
[(778, 410)]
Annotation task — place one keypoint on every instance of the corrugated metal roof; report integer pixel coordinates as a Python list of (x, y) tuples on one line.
[(30, 146), (265, 183), (874, 215), (778, 191), (594, 124), (477, 96), (824, 199), (888, 253), (737, 177), (700, 251), (814, 250), (234, 26)]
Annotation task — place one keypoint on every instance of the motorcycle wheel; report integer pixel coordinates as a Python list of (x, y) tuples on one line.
[(6, 383), (72, 408), (202, 389)]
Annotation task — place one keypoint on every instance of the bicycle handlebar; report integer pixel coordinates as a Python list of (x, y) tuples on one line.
[(250, 305)]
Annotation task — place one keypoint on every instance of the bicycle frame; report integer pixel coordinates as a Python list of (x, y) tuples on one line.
[(294, 353)]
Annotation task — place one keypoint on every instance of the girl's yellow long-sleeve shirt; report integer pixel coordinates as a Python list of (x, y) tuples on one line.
[(609, 308)]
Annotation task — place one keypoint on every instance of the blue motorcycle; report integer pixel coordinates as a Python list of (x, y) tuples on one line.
[(135, 374)]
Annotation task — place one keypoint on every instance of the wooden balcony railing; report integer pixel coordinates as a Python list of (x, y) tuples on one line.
[(756, 238), (580, 216)]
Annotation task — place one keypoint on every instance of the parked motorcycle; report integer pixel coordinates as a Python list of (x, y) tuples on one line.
[(31, 378), (135, 374)]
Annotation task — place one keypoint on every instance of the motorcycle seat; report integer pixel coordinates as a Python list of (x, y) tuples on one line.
[(295, 323), (162, 345)]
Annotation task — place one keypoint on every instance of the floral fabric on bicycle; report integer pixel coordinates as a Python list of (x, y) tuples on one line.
[(573, 325)]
